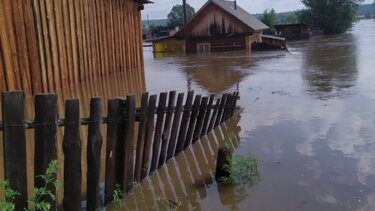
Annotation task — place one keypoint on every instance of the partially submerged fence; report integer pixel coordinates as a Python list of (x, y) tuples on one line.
[(164, 130)]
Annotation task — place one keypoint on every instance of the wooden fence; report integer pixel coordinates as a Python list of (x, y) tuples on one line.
[(46, 45), (164, 130)]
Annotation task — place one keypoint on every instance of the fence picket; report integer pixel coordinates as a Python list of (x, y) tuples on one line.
[(200, 119), (167, 128), (72, 157), (45, 138), (141, 137), (14, 135), (193, 118), (158, 130), (176, 122), (184, 122), (94, 146), (129, 143)]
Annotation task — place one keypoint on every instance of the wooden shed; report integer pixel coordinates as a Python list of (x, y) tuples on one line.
[(293, 31), (218, 26), (46, 45)]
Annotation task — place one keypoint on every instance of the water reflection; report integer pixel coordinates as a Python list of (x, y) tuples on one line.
[(189, 178), (214, 73), (330, 65)]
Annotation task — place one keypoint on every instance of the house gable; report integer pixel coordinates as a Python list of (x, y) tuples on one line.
[(214, 21)]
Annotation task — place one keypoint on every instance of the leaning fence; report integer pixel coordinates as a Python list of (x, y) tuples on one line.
[(165, 127)]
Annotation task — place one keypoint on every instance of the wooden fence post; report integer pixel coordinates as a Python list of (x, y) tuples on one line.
[(15, 145), (45, 138), (94, 146), (221, 109), (72, 153), (148, 136), (207, 116), (114, 134), (200, 119), (167, 128), (193, 118), (158, 129), (176, 122), (184, 122), (214, 116), (129, 143), (141, 137)]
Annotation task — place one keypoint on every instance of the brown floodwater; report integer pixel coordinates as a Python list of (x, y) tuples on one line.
[(309, 116)]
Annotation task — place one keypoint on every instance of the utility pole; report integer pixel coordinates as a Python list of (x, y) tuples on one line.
[(186, 33)]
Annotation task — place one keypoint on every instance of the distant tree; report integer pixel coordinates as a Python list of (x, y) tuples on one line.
[(373, 9), (291, 17), (270, 19), (176, 16), (332, 17), (368, 15)]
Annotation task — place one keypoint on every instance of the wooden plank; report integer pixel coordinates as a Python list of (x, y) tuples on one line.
[(148, 136), (234, 104), (175, 126), (141, 136), (94, 146), (72, 157), (129, 143), (193, 118), (200, 119), (226, 108), (67, 42), (22, 51), (74, 46), (207, 116), (14, 138), (167, 128), (42, 9), (3, 83), (114, 133), (214, 116), (45, 138), (184, 122), (221, 109), (32, 28), (158, 130), (54, 46)]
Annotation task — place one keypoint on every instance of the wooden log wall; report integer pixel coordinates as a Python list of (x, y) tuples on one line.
[(128, 157), (47, 45)]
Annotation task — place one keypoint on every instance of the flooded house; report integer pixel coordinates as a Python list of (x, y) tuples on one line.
[(218, 26), (46, 46), (295, 31)]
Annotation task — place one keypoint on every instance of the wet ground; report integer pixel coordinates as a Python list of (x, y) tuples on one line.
[(309, 116)]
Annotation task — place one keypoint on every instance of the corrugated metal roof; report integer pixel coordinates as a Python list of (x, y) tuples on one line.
[(241, 14)]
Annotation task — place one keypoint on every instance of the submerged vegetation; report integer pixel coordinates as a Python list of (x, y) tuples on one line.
[(243, 169), (7, 204)]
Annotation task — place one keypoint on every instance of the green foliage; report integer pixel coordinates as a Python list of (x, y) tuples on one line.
[(291, 17), (40, 195), (270, 19), (176, 16), (117, 196), (228, 141), (242, 169), (332, 17), (8, 203)]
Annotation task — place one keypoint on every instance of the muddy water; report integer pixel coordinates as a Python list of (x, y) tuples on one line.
[(309, 116)]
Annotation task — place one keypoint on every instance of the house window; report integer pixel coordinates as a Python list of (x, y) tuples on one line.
[(203, 47)]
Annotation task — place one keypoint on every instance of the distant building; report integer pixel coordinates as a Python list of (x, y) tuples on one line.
[(294, 31), (218, 26)]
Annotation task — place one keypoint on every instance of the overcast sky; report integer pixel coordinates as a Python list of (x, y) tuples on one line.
[(161, 8)]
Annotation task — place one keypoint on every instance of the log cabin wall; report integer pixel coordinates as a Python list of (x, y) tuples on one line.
[(47, 45)]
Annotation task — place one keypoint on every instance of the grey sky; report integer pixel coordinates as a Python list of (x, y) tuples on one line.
[(161, 8)]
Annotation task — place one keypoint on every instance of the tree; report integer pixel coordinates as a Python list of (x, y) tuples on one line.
[(269, 18), (176, 16), (291, 17), (332, 17)]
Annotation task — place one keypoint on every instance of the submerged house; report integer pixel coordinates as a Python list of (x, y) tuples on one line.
[(49, 45), (293, 31), (219, 25)]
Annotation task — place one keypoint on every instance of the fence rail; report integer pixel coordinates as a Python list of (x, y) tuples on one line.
[(163, 131)]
